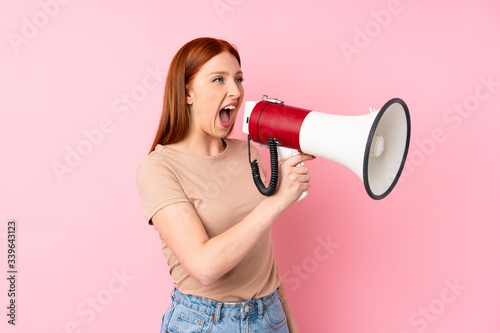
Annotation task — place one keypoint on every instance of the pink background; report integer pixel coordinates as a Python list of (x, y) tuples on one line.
[(425, 259)]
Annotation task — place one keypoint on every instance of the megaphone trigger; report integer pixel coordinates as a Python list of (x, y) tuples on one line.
[(285, 153)]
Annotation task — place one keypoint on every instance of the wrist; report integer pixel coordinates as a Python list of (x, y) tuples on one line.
[(275, 204)]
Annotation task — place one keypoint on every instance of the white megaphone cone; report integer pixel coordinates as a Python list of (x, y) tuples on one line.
[(374, 146)]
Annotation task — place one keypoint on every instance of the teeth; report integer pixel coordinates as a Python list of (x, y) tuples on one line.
[(230, 107)]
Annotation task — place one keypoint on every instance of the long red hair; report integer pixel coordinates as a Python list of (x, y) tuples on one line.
[(175, 120)]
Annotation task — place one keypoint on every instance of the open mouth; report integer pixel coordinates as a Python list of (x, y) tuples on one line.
[(226, 115)]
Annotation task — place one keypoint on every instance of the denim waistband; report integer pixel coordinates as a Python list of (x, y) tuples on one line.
[(224, 309)]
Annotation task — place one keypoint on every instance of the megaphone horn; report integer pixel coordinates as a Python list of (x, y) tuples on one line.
[(374, 146)]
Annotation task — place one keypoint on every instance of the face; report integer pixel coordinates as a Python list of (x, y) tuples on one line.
[(215, 95)]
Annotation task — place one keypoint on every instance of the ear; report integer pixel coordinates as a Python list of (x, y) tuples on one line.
[(189, 96)]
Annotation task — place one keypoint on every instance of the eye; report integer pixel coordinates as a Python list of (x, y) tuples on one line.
[(240, 79), (218, 79)]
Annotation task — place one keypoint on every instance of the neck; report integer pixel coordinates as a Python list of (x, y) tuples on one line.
[(202, 147)]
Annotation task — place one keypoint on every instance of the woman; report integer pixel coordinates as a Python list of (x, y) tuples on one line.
[(197, 191)]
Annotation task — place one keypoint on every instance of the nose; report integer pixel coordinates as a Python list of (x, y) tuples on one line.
[(235, 90)]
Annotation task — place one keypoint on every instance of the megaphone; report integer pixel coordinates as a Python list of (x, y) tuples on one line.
[(374, 146)]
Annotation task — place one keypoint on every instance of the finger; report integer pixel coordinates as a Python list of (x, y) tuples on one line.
[(303, 178), (304, 187), (294, 160), (301, 169)]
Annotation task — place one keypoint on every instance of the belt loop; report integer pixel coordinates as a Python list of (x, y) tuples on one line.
[(261, 307), (217, 312)]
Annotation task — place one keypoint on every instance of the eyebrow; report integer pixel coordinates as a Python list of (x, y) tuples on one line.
[(225, 73)]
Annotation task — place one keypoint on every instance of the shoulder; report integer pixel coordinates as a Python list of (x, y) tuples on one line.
[(155, 164), (154, 159)]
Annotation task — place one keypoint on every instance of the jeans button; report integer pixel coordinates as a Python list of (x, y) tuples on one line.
[(246, 308)]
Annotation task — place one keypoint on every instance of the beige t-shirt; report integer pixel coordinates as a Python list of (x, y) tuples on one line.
[(222, 191)]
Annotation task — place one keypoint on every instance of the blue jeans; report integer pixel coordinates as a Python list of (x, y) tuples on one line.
[(189, 313)]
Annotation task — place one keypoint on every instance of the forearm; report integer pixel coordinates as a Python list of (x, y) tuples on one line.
[(233, 245)]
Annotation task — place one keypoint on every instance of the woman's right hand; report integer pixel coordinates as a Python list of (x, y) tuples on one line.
[(293, 180)]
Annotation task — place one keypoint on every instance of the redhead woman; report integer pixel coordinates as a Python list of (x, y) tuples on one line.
[(197, 190)]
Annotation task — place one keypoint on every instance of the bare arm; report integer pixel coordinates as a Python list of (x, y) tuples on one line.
[(207, 259)]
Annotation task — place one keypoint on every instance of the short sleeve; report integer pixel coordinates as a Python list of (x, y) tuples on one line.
[(158, 187)]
